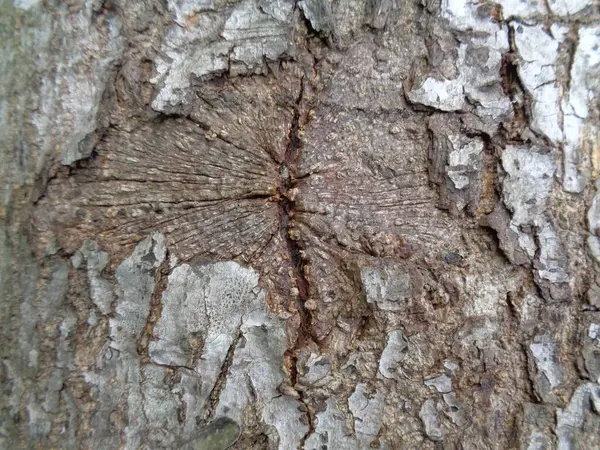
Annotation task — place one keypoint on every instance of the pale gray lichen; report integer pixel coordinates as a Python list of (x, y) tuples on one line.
[(483, 297), (160, 405), (393, 353), (388, 287), (26, 4), (255, 377), (464, 160), (538, 441), (70, 97), (593, 217), (96, 261), (456, 411), (367, 409), (568, 7), (529, 181), (318, 12), (571, 419), (210, 37), (591, 354), (331, 430), (221, 307), (441, 383), (539, 51), (135, 278), (445, 95), (118, 374), (431, 422), (536, 423), (209, 303), (561, 116), (580, 133), (478, 79), (550, 375), (317, 371), (552, 258), (526, 189), (206, 302)]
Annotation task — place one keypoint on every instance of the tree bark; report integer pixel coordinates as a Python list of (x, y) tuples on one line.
[(300, 225)]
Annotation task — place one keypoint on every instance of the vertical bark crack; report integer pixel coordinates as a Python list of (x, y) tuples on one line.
[(215, 393), (514, 89), (155, 311), (572, 42), (287, 207)]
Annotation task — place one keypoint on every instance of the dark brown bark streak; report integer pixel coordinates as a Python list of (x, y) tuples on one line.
[(515, 90), (215, 393), (287, 208), (155, 310), (513, 87)]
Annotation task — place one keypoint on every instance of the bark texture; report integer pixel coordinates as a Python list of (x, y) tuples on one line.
[(300, 225)]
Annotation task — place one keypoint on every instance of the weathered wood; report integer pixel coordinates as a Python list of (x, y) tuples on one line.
[(268, 224)]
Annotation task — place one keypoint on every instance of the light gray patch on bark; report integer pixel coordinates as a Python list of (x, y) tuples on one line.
[(568, 7), (526, 196), (529, 181), (96, 261), (325, 178), (478, 61), (318, 12), (70, 98), (331, 430), (367, 409), (456, 164), (580, 413), (393, 353), (593, 218), (539, 51), (537, 423), (255, 377), (456, 410), (549, 373), (577, 107), (591, 348), (212, 38), (388, 287), (221, 306), (442, 383), (135, 285), (429, 416), (206, 302), (316, 371)]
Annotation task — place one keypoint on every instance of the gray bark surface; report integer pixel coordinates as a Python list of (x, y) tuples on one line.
[(300, 225)]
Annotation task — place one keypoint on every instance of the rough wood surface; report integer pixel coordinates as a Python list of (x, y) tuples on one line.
[(300, 225)]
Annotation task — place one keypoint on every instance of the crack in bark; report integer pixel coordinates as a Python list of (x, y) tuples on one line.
[(287, 207), (215, 393), (514, 89), (572, 42), (154, 312)]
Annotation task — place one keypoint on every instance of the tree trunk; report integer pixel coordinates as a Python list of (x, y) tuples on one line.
[(313, 225)]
